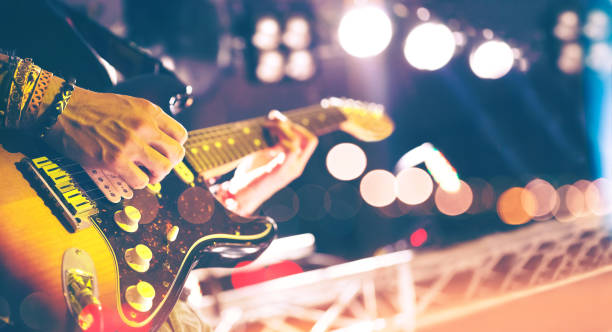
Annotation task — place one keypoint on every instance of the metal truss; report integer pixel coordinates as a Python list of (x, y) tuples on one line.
[(401, 292)]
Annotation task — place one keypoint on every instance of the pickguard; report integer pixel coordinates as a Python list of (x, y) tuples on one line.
[(206, 231)]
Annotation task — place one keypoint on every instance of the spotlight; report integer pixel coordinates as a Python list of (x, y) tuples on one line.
[(429, 46), (365, 31), (267, 34), (492, 59), (300, 65), (297, 33), (270, 68), (570, 59)]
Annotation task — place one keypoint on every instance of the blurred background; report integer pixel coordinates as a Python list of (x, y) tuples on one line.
[(502, 108)]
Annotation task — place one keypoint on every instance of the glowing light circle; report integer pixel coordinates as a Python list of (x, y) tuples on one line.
[(454, 203), (545, 195), (414, 186), (429, 46), (346, 161), (492, 59), (378, 188), (516, 206), (365, 31)]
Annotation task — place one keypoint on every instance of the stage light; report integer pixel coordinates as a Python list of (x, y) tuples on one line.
[(423, 13), (597, 25), (270, 68), (267, 34), (516, 206), (365, 31), (492, 59), (454, 203), (414, 186), (545, 195), (297, 33), (567, 27), (346, 161), (599, 57), (570, 58), (378, 188), (300, 65), (429, 46)]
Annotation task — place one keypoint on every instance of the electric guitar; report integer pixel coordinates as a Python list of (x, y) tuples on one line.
[(70, 258)]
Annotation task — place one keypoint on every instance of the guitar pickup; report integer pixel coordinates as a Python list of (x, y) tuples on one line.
[(64, 190)]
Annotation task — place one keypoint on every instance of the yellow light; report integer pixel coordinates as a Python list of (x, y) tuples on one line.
[(378, 188), (516, 206), (365, 31), (429, 46), (414, 186), (454, 203)]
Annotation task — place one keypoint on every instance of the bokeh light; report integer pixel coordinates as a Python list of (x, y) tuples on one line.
[(583, 186), (365, 31), (572, 203), (597, 197), (454, 203), (545, 195), (567, 27), (301, 65), (283, 206), (492, 59), (314, 202), (344, 201), (429, 46), (414, 186), (297, 33), (516, 206), (267, 34), (484, 196), (570, 58), (271, 67), (346, 161), (418, 237), (378, 188)]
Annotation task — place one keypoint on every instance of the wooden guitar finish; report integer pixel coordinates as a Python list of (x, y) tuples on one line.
[(34, 231)]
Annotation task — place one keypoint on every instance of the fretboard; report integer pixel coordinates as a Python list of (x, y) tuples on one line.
[(214, 147)]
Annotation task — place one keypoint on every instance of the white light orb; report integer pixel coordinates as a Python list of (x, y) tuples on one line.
[(378, 188), (346, 161), (492, 59), (365, 31), (429, 46), (414, 186), (271, 67), (300, 65)]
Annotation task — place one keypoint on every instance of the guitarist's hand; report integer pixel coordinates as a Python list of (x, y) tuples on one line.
[(122, 134), (263, 173)]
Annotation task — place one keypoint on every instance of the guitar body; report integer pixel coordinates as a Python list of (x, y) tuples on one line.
[(35, 238)]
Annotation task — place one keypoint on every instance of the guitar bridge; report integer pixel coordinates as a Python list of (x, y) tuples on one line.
[(75, 205)]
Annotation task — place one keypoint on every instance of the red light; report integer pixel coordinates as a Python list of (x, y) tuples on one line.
[(418, 237), (90, 318), (251, 277)]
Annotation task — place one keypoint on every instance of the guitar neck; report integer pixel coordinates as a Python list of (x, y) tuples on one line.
[(213, 147)]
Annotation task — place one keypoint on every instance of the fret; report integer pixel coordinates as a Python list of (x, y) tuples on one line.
[(223, 144)]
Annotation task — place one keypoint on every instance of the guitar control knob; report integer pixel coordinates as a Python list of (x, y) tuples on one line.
[(172, 234), (128, 218), (140, 296), (138, 258)]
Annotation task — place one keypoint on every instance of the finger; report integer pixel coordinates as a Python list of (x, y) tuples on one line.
[(276, 115), (169, 147), (282, 130), (309, 140), (132, 175), (156, 164), (171, 127)]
